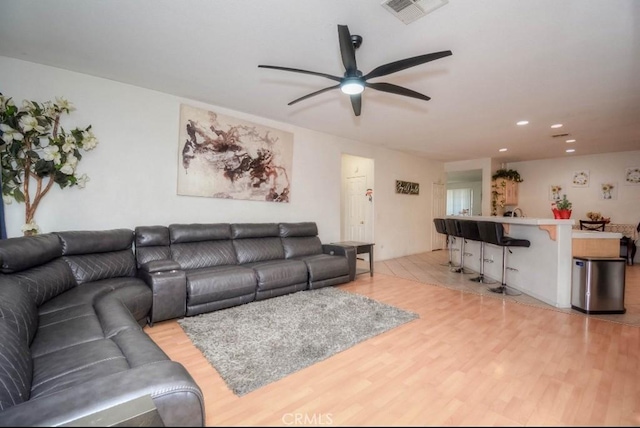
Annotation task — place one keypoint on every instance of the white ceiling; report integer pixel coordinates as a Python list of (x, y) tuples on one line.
[(575, 62)]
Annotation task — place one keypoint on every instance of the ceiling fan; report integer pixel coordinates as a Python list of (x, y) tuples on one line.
[(354, 82)]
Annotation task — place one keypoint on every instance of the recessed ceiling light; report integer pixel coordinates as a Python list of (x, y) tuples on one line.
[(522, 122), (570, 150), (571, 141), (502, 150), (557, 125)]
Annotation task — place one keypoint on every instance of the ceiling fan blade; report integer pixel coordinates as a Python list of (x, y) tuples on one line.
[(393, 67), (314, 93), (395, 89), (356, 103), (347, 50), (297, 70)]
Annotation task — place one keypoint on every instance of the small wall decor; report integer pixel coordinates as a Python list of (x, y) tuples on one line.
[(580, 179), (632, 176), (224, 157), (407, 187), (609, 191), (555, 192)]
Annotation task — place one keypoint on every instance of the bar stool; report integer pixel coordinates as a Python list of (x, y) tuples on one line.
[(493, 233), (454, 229), (471, 232), (441, 227)]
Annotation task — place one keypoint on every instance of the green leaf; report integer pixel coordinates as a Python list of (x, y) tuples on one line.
[(44, 168), (18, 195)]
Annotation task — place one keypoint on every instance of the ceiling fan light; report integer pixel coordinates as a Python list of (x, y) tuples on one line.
[(352, 86)]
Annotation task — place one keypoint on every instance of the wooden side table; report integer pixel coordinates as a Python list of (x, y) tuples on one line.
[(361, 248)]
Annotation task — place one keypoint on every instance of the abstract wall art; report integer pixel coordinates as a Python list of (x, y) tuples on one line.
[(225, 157)]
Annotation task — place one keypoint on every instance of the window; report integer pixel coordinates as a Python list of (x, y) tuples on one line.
[(460, 201)]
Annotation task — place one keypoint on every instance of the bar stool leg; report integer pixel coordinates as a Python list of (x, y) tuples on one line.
[(504, 288), (480, 278), (460, 267)]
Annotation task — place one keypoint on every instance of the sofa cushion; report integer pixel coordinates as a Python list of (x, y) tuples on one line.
[(18, 254), (96, 255), (202, 254), (180, 233), (16, 367), (254, 230), (80, 325), (219, 283), (290, 230), (18, 309), (324, 266), (151, 243), (86, 294), (95, 241), (73, 365), (301, 246), (258, 249), (279, 273), (44, 282)]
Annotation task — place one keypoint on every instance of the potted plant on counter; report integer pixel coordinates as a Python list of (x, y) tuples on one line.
[(562, 208)]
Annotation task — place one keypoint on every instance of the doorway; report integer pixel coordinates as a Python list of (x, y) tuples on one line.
[(357, 199)]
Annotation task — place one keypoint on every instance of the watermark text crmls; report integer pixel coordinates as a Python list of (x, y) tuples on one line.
[(307, 419)]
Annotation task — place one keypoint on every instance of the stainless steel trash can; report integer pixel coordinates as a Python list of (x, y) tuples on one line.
[(597, 285)]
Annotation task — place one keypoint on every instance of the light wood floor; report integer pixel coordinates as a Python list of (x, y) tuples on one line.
[(469, 360)]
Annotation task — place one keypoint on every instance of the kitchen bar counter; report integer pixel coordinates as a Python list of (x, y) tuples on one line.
[(542, 270)]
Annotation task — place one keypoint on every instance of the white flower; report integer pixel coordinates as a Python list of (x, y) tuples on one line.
[(72, 160), (30, 226), (9, 134), (64, 104), (89, 140), (66, 169), (28, 105), (69, 144), (28, 123), (7, 199), (51, 153), (82, 181)]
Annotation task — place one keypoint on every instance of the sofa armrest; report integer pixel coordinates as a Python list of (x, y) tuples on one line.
[(174, 392), (348, 252), (168, 282)]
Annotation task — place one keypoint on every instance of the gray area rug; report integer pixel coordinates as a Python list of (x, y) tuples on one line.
[(254, 344)]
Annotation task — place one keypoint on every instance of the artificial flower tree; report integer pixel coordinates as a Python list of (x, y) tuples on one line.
[(36, 152)]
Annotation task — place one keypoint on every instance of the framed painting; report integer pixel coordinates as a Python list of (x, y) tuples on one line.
[(407, 187), (608, 191), (580, 178), (555, 192), (632, 176), (224, 157)]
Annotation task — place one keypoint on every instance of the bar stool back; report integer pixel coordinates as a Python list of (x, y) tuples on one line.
[(493, 233)]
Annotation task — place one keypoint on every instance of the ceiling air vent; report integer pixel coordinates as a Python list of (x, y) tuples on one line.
[(409, 10), (560, 135)]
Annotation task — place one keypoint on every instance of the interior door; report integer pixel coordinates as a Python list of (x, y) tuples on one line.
[(438, 209), (356, 208)]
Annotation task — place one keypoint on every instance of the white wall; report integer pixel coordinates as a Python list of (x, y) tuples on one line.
[(133, 171), (539, 175)]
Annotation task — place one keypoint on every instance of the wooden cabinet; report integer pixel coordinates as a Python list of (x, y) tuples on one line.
[(505, 192)]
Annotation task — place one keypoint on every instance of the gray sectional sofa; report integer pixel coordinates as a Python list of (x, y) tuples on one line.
[(226, 265), (73, 304), (71, 341)]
